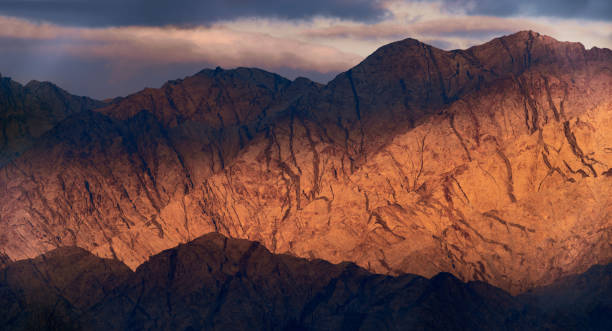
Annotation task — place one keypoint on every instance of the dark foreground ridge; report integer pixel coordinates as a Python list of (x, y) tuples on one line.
[(230, 284)]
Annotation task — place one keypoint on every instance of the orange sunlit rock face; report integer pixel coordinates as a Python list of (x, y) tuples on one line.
[(491, 163)]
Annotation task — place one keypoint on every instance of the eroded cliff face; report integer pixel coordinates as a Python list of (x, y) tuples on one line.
[(104, 182), (476, 194), (487, 188), (491, 163)]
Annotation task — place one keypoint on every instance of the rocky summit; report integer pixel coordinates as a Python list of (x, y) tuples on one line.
[(493, 164)]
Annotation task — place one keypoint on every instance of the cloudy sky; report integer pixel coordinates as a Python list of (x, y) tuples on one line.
[(115, 47)]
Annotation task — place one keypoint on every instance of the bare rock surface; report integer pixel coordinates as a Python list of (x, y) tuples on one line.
[(492, 163), (217, 283)]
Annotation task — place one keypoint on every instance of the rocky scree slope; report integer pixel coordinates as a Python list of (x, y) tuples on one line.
[(416, 161), (218, 283)]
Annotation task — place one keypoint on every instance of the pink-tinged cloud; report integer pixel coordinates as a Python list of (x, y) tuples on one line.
[(163, 45), (465, 31), (124, 59), (441, 27)]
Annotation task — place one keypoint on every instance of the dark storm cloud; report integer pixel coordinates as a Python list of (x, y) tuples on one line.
[(183, 12), (588, 9)]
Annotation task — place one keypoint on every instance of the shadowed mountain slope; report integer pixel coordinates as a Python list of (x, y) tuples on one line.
[(26, 112), (218, 283), (416, 161), (4, 260), (576, 301)]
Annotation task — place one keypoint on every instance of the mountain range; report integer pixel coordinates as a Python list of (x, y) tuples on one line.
[(490, 165)]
